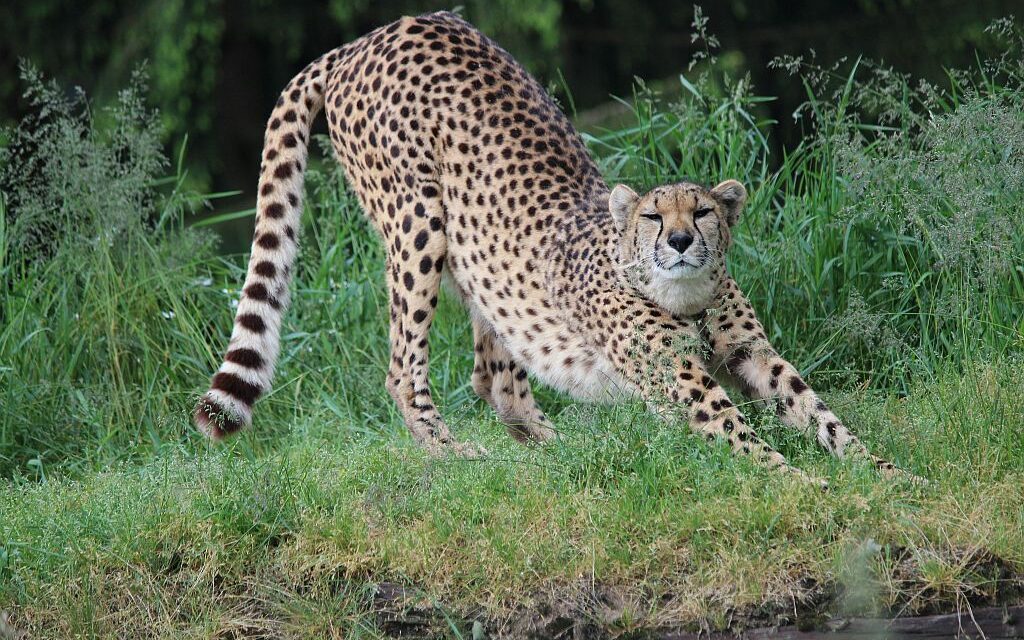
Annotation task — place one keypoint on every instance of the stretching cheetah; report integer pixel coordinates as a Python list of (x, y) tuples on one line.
[(465, 166)]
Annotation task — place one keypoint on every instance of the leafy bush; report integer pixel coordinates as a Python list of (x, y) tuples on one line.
[(105, 295)]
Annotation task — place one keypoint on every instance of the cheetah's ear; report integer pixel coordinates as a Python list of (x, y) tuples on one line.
[(733, 196), (621, 203)]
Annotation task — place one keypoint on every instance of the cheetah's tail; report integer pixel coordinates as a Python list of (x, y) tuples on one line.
[(255, 341)]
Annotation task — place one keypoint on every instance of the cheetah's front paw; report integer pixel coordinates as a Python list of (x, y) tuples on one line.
[(533, 433), (451, 448), (433, 434), (894, 473)]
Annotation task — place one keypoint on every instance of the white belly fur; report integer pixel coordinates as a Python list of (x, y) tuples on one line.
[(589, 377)]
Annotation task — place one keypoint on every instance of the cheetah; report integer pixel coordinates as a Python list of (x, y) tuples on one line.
[(468, 170)]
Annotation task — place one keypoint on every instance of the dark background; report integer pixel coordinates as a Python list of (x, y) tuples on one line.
[(216, 66)]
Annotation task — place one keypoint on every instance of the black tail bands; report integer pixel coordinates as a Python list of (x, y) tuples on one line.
[(255, 341)]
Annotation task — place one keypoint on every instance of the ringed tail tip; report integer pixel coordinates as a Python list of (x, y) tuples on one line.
[(215, 420)]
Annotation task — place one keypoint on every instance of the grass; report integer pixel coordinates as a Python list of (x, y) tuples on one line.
[(203, 540), (883, 255)]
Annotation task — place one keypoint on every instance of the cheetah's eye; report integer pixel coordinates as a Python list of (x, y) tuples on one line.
[(651, 216), (700, 213)]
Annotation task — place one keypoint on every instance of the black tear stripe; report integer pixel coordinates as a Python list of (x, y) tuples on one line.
[(702, 238)]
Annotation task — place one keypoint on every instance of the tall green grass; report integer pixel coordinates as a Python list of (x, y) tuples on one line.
[(106, 295), (883, 255)]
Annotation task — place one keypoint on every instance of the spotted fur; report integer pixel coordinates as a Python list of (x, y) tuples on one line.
[(466, 167)]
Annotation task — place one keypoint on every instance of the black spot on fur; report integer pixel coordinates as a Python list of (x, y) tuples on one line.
[(268, 240), (421, 240), (257, 291), (265, 269), (283, 171), (737, 358), (248, 358), (252, 322)]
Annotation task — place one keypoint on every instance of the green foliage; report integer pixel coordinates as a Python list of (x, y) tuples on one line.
[(186, 36), (103, 298)]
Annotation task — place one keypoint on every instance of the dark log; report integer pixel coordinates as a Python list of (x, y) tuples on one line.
[(992, 623)]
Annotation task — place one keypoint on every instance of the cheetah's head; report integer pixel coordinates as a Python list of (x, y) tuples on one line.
[(674, 237)]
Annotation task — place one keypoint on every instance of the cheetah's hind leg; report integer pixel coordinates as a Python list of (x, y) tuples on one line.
[(500, 381), (416, 249)]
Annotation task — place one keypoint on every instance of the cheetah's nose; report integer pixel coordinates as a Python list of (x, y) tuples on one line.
[(680, 241)]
